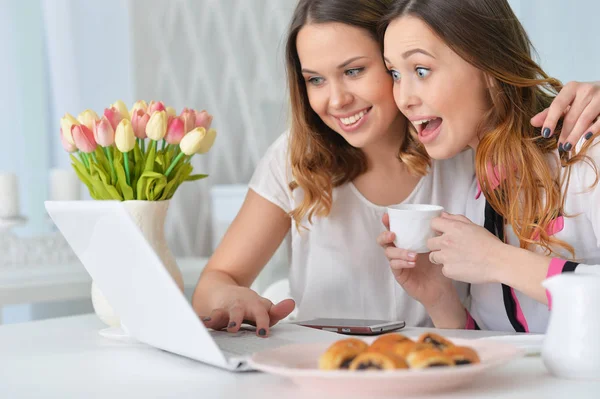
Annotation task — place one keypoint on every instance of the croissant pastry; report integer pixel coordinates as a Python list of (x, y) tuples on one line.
[(462, 355), (428, 357), (436, 340), (374, 360), (341, 353), (388, 341)]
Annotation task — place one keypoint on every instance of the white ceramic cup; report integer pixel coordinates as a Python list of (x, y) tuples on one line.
[(412, 225)]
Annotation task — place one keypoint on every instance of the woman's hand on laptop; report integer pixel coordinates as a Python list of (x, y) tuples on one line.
[(240, 305)]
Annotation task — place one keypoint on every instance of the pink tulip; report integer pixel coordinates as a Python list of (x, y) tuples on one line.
[(139, 120), (155, 106), (104, 133), (203, 119), (114, 117), (66, 145), (188, 116), (175, 131), (84, 138)]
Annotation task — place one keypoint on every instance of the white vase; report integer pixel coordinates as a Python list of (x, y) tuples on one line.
[(150, 217)]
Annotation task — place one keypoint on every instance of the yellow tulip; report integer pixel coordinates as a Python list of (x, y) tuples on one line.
[(157, 126), (122, 108), (171, 111), (88, 118), (66, 123), (197, 141), (124, 137), (208, 141), (138, 105)]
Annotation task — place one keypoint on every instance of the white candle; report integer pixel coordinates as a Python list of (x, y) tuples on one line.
[(9, 196), (64, 185)]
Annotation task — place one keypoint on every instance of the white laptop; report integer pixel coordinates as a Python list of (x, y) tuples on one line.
[(150, 305)]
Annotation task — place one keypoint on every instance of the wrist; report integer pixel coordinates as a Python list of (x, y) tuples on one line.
[(448, 311)]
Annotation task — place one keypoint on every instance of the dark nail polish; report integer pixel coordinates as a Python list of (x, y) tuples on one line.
[(588, 135), (262, 332), (206, 319), (560, 147), (232, 324), (568, 146), (546, 132)]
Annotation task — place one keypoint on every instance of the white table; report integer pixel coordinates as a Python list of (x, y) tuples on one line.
[(66, 358)]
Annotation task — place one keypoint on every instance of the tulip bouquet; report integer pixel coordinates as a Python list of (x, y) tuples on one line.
[(138, 154)]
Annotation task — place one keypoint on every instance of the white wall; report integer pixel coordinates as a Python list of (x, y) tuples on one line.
[(565, 34)]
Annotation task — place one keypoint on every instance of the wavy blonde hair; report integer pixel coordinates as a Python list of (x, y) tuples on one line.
[(320, 158), (488, 35)]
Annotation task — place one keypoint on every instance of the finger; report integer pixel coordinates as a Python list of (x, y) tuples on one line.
[(538, 120), (443, 225), (435, 257), (558, 107), (281, 310), (217, 320), (583, 125), (580, 114), (236, 316), (385, 219), (459, 218), (399, 264), (261, 318), (399, 253), (386, 239), (435, 243)]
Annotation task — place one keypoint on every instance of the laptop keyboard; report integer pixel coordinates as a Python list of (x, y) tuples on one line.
[(244, 342)]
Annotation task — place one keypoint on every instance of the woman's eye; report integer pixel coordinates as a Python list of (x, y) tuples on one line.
[(315, 81), (422, 72), (395, 75), (353, 71)]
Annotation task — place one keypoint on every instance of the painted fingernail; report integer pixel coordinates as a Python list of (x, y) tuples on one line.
[(412, 264), (546, 132), (568, 146), (588, 135), (262, 332), (412, 255), (232, 324), (206, 319), (560, 147)]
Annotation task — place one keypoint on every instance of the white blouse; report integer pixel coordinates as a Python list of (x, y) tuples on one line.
[(336, 268), (580, 227)]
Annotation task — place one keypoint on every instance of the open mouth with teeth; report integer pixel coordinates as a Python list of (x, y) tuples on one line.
[(426, 126), (354, 119)]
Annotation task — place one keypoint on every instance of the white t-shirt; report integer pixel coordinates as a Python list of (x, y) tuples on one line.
[(582, 231), (337, 269)]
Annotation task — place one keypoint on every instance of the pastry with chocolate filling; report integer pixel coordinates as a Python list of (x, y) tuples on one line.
[(428, 357), (462, 355), (402, 349), (387, 341), (374, 360), (340, 354), (436, 340)]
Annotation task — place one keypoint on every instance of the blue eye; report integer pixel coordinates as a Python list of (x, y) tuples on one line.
[(316, 81), (353, 71), (422, 72), (395, 75)]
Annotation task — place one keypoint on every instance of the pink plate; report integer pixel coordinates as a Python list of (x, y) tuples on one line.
[(299, 363)]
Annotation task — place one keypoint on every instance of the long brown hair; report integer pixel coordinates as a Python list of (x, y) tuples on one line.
[(320, 158), (488, 35)]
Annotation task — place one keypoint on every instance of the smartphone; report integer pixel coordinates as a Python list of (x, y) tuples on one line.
[(354, 326)]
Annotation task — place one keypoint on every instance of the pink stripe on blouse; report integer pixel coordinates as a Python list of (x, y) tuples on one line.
[(556, 267)]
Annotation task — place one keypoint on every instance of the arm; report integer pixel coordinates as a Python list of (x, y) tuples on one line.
[(251, 240)]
